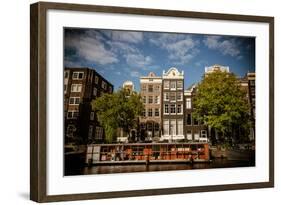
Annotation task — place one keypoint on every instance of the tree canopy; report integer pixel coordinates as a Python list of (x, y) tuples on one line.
[(117, 110), (221, 103)]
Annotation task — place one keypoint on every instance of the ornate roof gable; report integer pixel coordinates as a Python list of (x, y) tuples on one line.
[(173, 73), (216, 67)]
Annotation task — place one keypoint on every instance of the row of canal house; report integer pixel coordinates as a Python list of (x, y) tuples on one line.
[(168, 113), (168, 108)]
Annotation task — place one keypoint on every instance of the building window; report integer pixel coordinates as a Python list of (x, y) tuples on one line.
[(156, 112), (188, 119), (103, 85), (166, 110), (65, 74), (69, 115), (180, 127), (92, 116), (173, 96), (149, 126), (157, 87), (70, 130), (75, 114), (143, 113), (196, 136), (179, 109), (156, 99), (95, 91), (90, 133), (173, 108), (204, 134), (189, 135), (143, 88), (150, 99), (156, 127), (166, 84), (144, 99), (173, 85), (149, 112), (150, 88), (99, 132), (64, 87), (74, 100), (72, 114), (77, 75), (195, 121), (252, 83), (166, 96), (173, 128), (166, 127), (80, 75), (96, 79), (179, 96), (179, 85), (76, 87), (188, 103)]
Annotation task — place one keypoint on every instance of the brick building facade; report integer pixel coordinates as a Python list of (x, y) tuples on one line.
[(194, 130), (151, 93), (173, 105), (81, 86)]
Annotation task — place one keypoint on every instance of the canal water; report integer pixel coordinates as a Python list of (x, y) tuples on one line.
[(110, 169)]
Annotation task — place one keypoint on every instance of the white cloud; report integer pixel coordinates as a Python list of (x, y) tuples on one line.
[(125, 36), (132, 55), (90, 49), (138, 60), (180, 47), (212, 42), (225, 46), (71, 63), (122, 47)]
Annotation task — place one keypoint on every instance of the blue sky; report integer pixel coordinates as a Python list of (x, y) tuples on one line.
[(127, 55)]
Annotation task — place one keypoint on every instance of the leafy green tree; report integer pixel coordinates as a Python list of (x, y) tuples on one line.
[(221, 103), (118, 110)]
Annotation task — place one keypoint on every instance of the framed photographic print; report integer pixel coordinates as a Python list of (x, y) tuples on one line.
[(135, 102)]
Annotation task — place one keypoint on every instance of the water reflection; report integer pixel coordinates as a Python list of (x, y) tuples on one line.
[(109, 169)]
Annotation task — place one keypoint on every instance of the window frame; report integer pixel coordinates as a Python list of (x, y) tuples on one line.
[(166, 108), (75, 100), (188, 104), (150, 99), (173, 109), (78, 73), (77, 85), (156, 110), (150, 112)]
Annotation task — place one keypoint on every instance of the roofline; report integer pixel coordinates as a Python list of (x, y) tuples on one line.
[(88, 68)]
